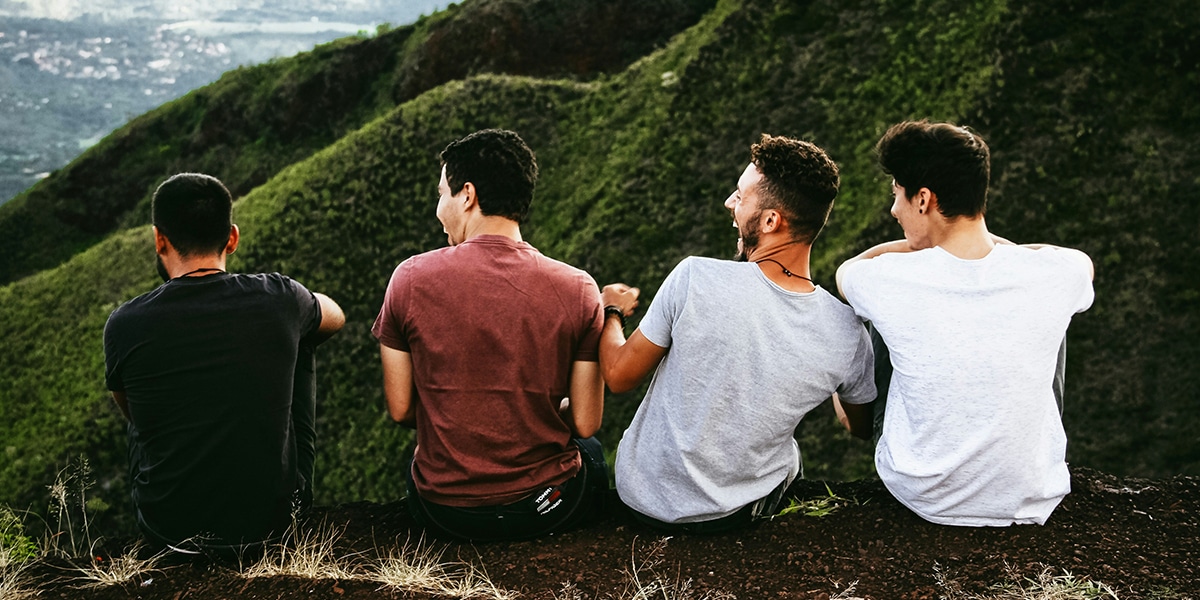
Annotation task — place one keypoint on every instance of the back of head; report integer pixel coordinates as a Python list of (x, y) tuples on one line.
[(951, 161), (500, 166), (799, 180), (195, 212)]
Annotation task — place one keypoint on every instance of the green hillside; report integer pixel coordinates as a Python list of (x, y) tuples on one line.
[(1090, 110), (257, 120)]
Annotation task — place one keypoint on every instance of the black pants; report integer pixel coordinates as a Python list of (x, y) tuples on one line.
[(548, 510), (760, 509)]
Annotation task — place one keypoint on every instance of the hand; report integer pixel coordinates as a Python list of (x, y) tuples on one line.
[(620, 296)]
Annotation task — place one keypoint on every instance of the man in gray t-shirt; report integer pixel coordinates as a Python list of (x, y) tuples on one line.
[(741, 351)]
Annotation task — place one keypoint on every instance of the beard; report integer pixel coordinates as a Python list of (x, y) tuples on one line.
[(161, 268), (748, 239)]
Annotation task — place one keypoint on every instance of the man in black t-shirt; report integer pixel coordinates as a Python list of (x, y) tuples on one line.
[(215, 373)]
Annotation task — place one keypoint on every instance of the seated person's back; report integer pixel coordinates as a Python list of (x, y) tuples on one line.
[(971, 431), (741, 351), (480, 344), (204, 367)]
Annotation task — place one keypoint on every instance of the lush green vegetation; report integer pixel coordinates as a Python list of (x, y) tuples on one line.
[(1090, 111), (255, 121)]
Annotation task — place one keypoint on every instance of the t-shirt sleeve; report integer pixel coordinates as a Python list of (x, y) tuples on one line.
[(389, 327), (859, 385), (309, 308), (854, 279), (113, 354), (665, 308), (1081, 265), (593, 317)]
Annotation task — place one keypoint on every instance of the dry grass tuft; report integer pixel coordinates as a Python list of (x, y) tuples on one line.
[(12, 581), (420, 568), (1044, 586), (645, 582), (117, 569), (312, 554)]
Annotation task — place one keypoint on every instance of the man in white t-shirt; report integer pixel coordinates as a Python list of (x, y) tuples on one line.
[(972, 433), (741, 351)]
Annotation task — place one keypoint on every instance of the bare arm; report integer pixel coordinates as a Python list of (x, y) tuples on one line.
[(332, 318), (856, 418), (872, 252), (625, 362), (584, 408), (398, 385), (123, 404)]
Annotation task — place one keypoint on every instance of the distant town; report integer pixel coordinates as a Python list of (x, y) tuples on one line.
[(66, 84)]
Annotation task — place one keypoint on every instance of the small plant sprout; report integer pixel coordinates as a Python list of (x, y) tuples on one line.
[(821, 506)]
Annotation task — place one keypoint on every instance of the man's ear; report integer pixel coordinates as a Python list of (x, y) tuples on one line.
[(771, 222), (926, 201), (470, 196), (234, 237), (161, 243)]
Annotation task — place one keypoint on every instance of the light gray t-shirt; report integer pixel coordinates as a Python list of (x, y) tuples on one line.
[(972, 434), (746, 360)]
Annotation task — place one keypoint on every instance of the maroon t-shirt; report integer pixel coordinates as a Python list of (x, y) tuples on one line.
[(493, 327)]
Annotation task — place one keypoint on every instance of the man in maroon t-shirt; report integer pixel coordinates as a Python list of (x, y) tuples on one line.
[(481, 342)]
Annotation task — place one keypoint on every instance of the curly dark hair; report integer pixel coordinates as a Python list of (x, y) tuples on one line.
[(799, 180), (195, 212), (952, 161), (502, 168)]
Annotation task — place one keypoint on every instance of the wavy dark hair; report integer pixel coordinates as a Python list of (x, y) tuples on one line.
[(502, 168), (953, 162), (799, 180)]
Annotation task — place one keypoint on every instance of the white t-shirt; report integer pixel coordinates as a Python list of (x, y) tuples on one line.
[(972, 434), (746, 360)]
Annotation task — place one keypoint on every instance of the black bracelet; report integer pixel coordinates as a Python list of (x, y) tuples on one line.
[(615, 310)]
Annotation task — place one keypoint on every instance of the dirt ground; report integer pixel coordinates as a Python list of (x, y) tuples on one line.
[(1141, 538)]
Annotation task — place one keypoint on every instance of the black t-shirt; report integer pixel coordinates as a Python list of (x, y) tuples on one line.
[(206, 365)]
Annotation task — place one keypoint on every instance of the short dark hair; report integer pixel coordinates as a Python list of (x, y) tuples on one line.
[(799, 180), (952, 161), (502, 168), (195, 212)]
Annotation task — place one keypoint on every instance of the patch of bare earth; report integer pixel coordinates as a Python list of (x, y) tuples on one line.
[(1141, 538)]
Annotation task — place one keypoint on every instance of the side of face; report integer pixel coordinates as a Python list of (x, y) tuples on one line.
[(914, 214), (450, 212), (744, 205)]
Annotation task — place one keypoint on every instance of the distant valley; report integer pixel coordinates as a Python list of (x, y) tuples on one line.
[(65, 84)]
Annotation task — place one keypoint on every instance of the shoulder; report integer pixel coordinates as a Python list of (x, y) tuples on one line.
[(1052, 256), (836, 311), (703, 266), (270, 283), (131, 309), (423, 264)]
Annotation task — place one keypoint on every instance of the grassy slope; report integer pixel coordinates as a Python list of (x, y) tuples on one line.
[(634, 169), (255, 121)]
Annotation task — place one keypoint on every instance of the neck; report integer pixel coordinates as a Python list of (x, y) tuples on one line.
[(773, 257), (492, 225), (966, 238), (206, 265)]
